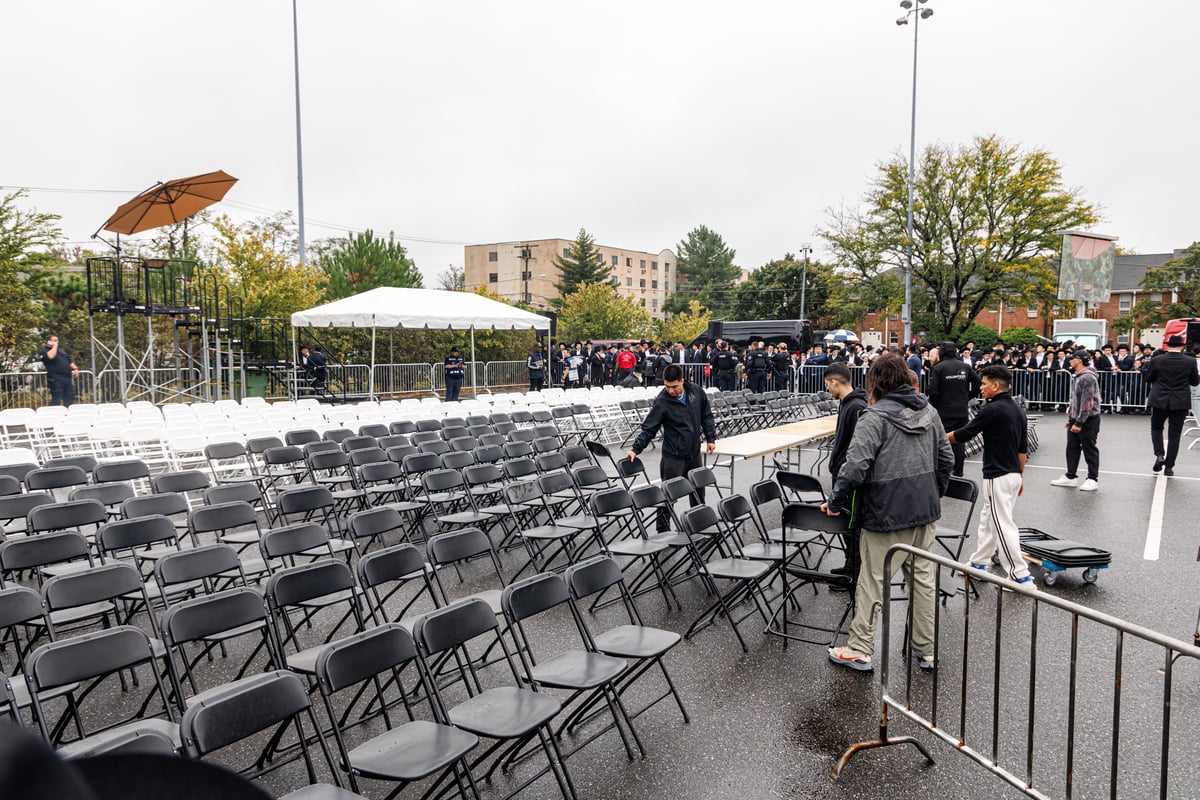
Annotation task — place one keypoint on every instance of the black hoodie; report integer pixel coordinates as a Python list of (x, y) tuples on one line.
[(851, 406)]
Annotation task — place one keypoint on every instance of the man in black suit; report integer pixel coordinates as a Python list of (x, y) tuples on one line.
[(1170, 375)]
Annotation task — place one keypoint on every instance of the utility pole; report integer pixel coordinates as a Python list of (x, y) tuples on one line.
[(299, 149), (526, 257)]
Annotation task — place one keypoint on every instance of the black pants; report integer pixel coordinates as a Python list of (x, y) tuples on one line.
[(536, 383), (677, 468), (62, 390), (758, 381), (959, 449), (1174, 419), (726, 380), (453, 387), (1085, 442)]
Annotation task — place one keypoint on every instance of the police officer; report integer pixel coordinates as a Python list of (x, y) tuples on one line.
[(454, 370), (724, 364), (757, 364)]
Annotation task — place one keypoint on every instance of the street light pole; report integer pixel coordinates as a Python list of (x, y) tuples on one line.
[(806, 248), (299, 151), (917, 13)]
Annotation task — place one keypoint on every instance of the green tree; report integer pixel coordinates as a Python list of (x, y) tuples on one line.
[(260, 261), (27, 239), (1180, 275), (773, 291), (1023, 336), (706, 272), (362, 261), (596, 311), (686, 325), (583, 263), (985, 218)]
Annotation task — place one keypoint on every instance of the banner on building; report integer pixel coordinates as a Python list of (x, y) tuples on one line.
[(1086, 269)]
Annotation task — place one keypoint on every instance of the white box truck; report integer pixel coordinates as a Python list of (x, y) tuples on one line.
[(1089, 333)]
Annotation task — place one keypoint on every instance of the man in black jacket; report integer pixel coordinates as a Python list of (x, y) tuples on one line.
[(683, 412), (853, 402), (1169, 376), (951, 384)]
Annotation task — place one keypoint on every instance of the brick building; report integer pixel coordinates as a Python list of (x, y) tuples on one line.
[(1128, 272)]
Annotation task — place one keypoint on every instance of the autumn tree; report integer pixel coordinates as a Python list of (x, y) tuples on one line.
[(583, 263), (363, 261), (260, 261), (705, 272), (1181, 276), (986, 216), (596, 311), (686, 325), (452, 279), (27, 238)]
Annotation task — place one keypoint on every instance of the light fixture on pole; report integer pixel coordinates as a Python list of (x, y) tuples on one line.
[(805, 248), (916, 11)]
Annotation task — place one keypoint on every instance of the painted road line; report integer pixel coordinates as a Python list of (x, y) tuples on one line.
[(1060, 469), (1154, 529)]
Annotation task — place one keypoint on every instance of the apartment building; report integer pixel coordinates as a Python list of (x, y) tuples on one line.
[(526, 269)]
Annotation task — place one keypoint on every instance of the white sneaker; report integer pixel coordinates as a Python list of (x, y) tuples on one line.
[(1089, 486), (1070, 483)]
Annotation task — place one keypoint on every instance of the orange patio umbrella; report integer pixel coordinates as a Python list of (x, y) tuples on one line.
[(170, 202)]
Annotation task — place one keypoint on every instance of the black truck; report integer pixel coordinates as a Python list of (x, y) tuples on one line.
[(797, 333)]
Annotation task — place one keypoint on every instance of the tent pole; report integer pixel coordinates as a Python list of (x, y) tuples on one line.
[(371, 374), (474, 388), (293, 380)]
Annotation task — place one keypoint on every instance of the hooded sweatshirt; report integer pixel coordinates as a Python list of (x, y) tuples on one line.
[(849, 410), (1085, 396), (901, 459)]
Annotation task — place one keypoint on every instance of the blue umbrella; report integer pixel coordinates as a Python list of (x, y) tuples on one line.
[(841, 335)]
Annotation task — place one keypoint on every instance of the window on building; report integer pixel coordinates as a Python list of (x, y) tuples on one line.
[(566, 252), (493, 277), (654, 304), (1031, 312), (653, 284), (614, 261), (666, 266), (493, 256), (893, 338), (628, 261), (1124, 302), (642, 283), (643, 301), (653, 265), (1156, 297), (666, 286), (643, 263), (629, 281)]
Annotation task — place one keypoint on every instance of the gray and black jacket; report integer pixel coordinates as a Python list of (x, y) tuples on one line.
[(900, 459)]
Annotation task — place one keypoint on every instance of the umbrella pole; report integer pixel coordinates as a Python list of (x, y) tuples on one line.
[(474, 388), (371, 374)]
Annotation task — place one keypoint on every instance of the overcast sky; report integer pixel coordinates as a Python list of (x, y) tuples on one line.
[(469, 122)]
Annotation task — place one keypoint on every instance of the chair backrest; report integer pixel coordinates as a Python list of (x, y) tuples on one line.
[(72, 514), (801, 487), (55, 478), (589, 477), (127, 534), (290, 540), (350, 661), (534, 595), (109, 494), (283, 456), (677, 488), (295, 585), (303, 499), (441, 480), (188, 480), (86, 463), (366, 455), (352, 443), (222, 517), (704, 478), (168, 504), (375, 522), (610, 502), (374, 430), (434, 446), (647, 496), (419, 463), (454, 625), (95, 585), (458, 460), (202, 617), (242, 709), (963, 489), (261, 444), (18, 605), (87, 656), (246, 492), (18, 506), (701, 520), (389, 564), (735, 508), (594, 575), (197, 564), (455, 546), (811, 518), (301, 437), (129, 469), (30, 552), (519, 468)]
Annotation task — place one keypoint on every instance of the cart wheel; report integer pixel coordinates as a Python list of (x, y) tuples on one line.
[(1049, 577), (1091, 574)]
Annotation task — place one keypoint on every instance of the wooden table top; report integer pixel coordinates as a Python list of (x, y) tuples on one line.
[(756, 444)]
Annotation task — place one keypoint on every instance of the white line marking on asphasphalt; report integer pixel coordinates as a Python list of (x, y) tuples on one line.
[(1154, 530)]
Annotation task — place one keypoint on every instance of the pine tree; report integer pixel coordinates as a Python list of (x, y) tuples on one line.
[(583, 264), (706, 271)]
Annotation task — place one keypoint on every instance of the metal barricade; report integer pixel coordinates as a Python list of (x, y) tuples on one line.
[(505, 375), (403, 379), (439, 377), (999, 732)]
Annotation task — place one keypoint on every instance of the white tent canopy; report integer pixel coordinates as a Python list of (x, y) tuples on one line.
[(432, 309)]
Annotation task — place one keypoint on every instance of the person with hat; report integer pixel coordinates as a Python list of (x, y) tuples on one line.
[(1170, 375), (454, 368), (1083, 424)]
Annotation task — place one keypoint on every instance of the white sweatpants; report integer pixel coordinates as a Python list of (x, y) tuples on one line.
[(997, 528)]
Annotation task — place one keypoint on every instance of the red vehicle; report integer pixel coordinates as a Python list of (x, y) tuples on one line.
[(1188, 328)]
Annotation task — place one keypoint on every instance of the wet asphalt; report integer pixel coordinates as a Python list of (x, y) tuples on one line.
[(771, 723)]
